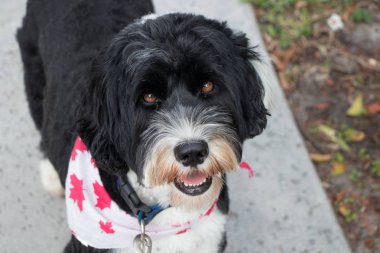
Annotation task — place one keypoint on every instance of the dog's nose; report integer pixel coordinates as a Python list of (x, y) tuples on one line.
[(191, 153)]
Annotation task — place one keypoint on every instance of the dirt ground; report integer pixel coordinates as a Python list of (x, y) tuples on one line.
[(331, 76)]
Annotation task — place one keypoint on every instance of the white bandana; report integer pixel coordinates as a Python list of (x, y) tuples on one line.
[(94, 218)]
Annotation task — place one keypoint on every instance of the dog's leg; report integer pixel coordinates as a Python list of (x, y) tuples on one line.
[(74, 246), (34, 76), (34, 79), (50, 179)]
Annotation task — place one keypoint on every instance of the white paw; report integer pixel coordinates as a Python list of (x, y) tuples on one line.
[(50, 179)]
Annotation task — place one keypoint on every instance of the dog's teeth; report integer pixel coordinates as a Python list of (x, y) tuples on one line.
[(195, 185)]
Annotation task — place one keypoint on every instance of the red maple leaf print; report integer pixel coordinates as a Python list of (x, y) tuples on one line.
[(76, 192), (245, 166), (182, 231), (93, 163), (106, 227), (104, 199), (78, 146)]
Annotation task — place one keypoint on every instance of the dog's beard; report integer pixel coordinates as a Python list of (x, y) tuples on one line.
[(168, 129)]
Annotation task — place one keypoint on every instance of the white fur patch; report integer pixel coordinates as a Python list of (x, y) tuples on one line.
[(203, 237), (143, 19), (50, 179)]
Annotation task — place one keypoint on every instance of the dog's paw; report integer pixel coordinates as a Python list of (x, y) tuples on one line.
[(50, 179)]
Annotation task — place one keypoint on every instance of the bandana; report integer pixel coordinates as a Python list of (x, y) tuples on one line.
[(95, 219)]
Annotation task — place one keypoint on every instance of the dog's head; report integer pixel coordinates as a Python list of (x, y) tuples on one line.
[(173, 99)]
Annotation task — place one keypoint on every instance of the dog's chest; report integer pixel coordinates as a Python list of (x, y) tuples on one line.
[(204, 237)]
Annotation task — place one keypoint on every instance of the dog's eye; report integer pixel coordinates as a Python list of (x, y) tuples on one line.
[(150, 98), (207, 88)]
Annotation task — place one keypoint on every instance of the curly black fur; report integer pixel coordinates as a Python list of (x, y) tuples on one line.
[(85, 74), (162, 56)]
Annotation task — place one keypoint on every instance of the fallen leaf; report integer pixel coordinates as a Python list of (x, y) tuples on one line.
[(339, 196), (329, 132), (320, 158), (347, 12), (301, 4), (282, 58), (350, 134), (344, 210), (284, 83), (373, 108), (289, 54), (330, 82), (339, 157), (372, 62), (322, 106), (338, 168), (369, 243), (343, 144), (280, 66), (358, 136), (357, 108)]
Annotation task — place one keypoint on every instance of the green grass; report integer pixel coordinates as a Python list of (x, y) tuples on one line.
[(364, 155), (289, 20), (361, 15), (375, 167), (355, 175)]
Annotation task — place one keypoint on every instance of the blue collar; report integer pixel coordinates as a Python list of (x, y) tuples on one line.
[(139, 209)]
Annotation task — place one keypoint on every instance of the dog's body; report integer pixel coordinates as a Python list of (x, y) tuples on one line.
[(168, 100)]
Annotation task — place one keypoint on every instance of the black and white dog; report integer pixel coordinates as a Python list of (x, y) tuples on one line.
[(164, 102)]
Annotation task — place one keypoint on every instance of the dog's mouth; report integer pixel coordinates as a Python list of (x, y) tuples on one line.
[(193, 184)]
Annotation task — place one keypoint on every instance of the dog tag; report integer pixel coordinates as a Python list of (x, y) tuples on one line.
[(142, 244)]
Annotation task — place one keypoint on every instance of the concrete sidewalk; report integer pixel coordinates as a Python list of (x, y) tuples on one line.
[(282, 209)]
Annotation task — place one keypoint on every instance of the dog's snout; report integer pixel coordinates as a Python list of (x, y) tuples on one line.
[(191, 153)]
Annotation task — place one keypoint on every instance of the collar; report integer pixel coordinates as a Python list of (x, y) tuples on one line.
[(96, 220), (139, 209)]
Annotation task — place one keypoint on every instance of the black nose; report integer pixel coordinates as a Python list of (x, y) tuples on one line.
[(191, 153)]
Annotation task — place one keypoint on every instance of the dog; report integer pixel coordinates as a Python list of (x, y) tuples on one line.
[(154, 110)]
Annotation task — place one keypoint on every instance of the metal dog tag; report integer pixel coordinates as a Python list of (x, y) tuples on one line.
[(142, 244)]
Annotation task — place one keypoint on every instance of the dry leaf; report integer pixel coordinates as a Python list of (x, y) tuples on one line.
[(322, 106), (347, 12), (358, 136), (357, 108), (373, 108), (369, 243), (284, 83), (339, 196), (344, 210), (343, 144), (320, 158), (280, 66), (329, 132), (330, 82), (338, 168)]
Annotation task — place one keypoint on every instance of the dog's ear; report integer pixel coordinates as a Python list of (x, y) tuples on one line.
[(254, 114), (98, 113)]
